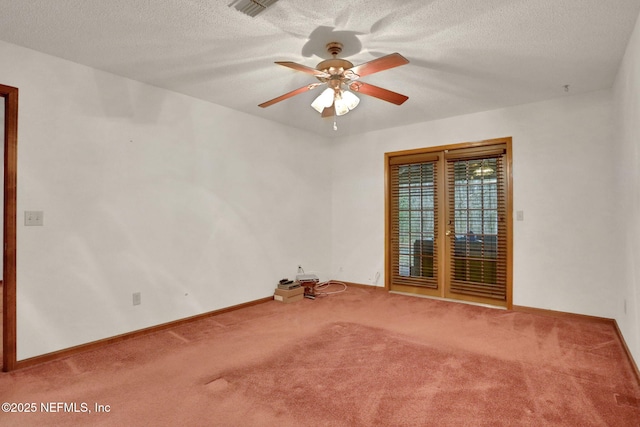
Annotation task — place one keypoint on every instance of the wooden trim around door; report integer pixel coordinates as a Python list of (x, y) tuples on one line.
[(507, 141), (10, 95)]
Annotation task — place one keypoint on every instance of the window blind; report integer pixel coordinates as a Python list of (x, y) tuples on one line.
[(477, 231), (413, 220)]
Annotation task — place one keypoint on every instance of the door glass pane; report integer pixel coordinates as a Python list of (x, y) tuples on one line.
[(475, 220), (416, 215)]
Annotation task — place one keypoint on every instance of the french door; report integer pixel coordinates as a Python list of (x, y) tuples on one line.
[(449, 222)]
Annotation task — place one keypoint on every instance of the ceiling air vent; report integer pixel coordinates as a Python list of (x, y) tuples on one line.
[(252, 7)]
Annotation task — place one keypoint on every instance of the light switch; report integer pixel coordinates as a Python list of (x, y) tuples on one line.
[(33, 218), (519, 215)]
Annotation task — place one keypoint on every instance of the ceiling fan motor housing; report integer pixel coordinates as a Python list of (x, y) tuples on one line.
[(334, 67)]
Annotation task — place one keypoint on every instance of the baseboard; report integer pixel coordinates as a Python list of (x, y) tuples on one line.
[(574, 316), (632, 361), (560, 314), (360, 285), (56, 355)]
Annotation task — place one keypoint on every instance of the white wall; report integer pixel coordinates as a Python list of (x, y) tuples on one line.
[(627, 120), (196, 206), (565, 257)]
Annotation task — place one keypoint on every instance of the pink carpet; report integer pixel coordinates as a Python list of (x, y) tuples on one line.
[(361, 358)]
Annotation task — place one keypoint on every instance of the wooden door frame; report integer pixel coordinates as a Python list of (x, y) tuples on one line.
[(9, 356), (509, 191)]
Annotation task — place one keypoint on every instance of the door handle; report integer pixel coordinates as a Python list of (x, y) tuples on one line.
[(448, 233)]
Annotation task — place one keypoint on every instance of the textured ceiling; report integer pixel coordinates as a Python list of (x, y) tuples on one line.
[(465, 55)]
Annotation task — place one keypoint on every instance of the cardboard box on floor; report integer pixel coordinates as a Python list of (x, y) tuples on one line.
[(289, 296)]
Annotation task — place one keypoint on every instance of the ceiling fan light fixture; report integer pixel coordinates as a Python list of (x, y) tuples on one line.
[(341, 107), (324, 100), (350, 99), (345, 102), (317, 106)]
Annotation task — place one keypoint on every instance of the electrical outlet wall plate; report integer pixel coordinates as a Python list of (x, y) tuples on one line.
[(33, 218)]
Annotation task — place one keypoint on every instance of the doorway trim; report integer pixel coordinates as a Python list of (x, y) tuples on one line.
[(10, 95), (509, 208)]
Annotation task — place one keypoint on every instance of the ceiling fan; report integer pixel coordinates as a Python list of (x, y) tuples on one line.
[(338, 75)]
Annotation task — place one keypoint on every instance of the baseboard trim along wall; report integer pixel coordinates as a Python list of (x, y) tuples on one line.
[(626, 349), (360, 285), (129, 335), (560, 314)]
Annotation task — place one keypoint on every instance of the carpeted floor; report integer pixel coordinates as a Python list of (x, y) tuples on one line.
[(361, 358)]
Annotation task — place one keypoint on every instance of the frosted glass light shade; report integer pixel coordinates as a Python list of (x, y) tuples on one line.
[(341, 107), (345, 102), (324, 100), (350, 99)]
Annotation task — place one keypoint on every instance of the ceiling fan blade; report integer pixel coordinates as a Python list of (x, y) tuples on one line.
[(380, 64), (303, 68), (289, 95), (378, 92), (329, 111)]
